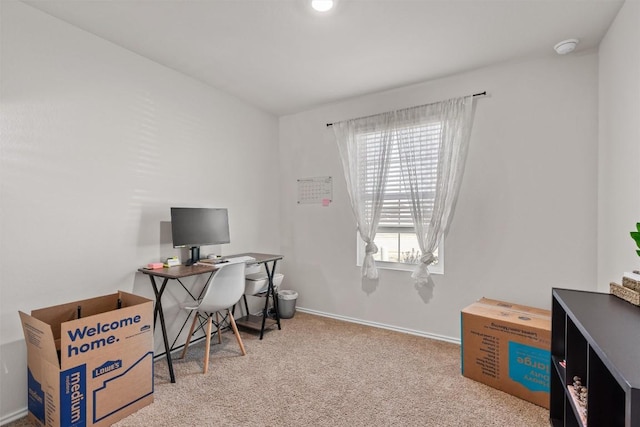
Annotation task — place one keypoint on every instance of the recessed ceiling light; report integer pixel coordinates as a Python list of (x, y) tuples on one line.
[(566, 46), (322, 5)]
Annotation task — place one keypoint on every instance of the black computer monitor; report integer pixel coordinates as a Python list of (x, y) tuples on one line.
[(195, 227)]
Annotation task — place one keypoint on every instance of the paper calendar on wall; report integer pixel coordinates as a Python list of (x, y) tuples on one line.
[(317, 190)]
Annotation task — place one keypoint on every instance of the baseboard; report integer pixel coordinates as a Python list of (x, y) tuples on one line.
[(381, 325), (9, 418)]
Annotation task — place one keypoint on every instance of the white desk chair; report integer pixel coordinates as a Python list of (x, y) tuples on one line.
[(224, 290)]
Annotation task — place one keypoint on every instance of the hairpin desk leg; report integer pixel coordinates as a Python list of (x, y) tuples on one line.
[(158, 311)]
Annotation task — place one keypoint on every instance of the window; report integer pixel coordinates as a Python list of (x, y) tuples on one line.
[(426, 147), (397, 243)]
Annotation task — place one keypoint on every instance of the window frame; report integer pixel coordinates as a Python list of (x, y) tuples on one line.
[(398, 266), (437, 268)]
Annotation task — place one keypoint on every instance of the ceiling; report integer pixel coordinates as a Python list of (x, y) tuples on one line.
[(282, 57)]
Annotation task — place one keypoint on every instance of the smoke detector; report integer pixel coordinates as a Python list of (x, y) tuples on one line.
[(566, 46)]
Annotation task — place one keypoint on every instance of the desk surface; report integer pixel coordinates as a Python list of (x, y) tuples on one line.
[(260, 258), (180, 271)]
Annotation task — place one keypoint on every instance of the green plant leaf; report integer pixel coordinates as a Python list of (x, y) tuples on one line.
[(635, 235)]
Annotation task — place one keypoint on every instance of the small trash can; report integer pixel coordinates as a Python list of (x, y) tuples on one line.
[(287, 304)]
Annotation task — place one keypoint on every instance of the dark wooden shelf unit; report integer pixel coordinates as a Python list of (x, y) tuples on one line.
[(597, 336)]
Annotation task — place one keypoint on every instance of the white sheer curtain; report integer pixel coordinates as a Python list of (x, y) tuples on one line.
[(433, 197), (365, 169)]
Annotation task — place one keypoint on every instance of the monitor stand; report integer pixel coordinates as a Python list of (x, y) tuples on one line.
[(195, 255)]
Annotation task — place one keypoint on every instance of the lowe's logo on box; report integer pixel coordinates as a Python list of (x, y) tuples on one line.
[(106, 367), (73, 406)]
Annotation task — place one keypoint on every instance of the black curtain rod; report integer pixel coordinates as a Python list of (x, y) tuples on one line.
[(474, 95)]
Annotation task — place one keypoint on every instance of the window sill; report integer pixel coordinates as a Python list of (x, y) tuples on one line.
[(400, 266)]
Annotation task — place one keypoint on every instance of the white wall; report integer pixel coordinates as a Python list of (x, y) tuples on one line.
[(526, 216), (97, 144), (619, 146)]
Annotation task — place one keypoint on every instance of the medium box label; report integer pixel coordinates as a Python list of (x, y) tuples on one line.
[(73, 404), (36, 397)]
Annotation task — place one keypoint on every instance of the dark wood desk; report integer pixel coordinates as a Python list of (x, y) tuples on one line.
[(182, 271), (175, 273)]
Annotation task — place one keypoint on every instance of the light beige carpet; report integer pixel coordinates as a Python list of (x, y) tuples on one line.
[(318, 371)]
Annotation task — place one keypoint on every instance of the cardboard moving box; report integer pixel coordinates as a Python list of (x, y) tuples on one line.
[(90, 362), (508, 347)]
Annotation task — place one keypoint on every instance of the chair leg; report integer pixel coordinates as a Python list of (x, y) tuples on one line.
[(218, 325), (193, 326), (235, 331), (208, 345)]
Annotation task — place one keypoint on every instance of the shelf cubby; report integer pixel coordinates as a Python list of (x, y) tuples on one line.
[(595, 336)]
